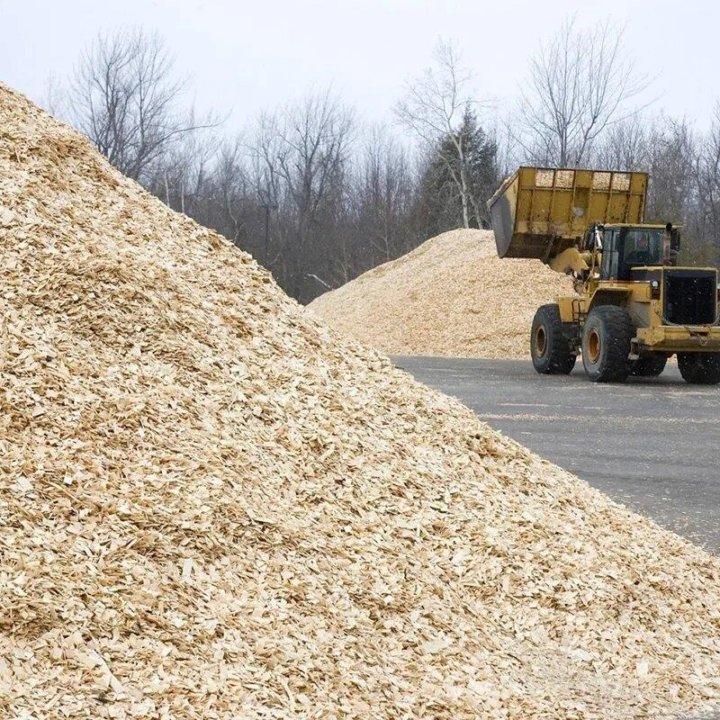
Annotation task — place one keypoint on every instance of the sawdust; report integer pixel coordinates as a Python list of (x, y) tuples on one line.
[(213, 507), (452, 296)]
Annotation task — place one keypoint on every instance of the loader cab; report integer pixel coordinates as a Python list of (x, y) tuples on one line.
[(625, 247)]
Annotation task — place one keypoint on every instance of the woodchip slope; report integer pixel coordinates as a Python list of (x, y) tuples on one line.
[(214, 507), (452, 296)]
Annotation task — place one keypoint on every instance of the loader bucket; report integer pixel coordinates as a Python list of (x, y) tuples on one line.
[(539, 212)]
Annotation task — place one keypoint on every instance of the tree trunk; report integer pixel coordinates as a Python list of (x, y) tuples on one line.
[(463, 185)]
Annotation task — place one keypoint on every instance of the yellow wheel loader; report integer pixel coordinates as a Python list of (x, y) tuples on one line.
[(635, 306)]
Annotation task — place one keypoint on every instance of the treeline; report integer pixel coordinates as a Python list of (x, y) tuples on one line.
[(318, 198), (684, 168)]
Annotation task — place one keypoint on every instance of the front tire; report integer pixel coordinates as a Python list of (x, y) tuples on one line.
[(550, 347), (700, 368), (607, 335)]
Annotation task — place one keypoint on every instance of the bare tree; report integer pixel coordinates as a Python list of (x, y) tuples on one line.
[(433, 107), (125, 99), (299, 156), (625, 146), (54, 98), (382, 197), (580, 83), (232, 193), (181, 174), (670, 159), (706, 172)]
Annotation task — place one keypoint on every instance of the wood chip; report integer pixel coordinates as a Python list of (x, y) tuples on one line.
[(362, 547), (450, 297)]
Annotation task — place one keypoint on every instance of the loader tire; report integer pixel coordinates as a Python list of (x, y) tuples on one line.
[(700, 368), (649, 365), (550, 347), (606, 342)]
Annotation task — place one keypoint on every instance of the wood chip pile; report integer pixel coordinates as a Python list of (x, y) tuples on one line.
[(452, 296), (212, 507)]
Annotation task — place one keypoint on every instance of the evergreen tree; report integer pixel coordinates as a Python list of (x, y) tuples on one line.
[(447, 171)]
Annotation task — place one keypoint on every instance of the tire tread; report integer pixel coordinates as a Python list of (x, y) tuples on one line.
[(561, 359), (617, 333), (700, 368)]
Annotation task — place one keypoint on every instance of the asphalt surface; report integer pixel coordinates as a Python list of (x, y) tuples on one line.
[(652, 444)]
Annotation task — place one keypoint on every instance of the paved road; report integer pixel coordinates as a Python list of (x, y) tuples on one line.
[(652, 444)]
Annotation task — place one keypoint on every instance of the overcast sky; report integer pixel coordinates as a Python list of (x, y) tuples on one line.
[(241, 57)]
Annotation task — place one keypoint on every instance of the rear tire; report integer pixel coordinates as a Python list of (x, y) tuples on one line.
[(607, 335), (649, 365), (550, 347), (700, 368)]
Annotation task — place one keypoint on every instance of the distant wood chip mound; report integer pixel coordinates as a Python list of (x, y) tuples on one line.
[(214, 508), (452, 296)]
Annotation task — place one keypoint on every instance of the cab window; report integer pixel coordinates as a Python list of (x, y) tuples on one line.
[(642, 247), (610, 255)]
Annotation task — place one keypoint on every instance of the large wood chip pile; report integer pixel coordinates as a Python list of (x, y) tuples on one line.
[(452, 296), (212, 507)]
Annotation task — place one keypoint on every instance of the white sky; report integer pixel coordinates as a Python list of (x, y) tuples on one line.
[(243, 56)]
